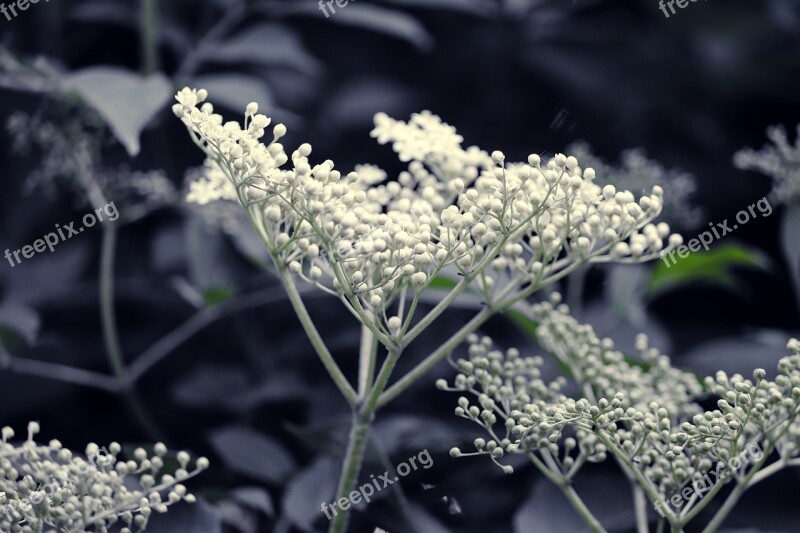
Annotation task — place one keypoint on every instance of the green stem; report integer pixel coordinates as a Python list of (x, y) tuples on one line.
[(148, 35), (584, 511), (640, 506), (367, 359), (315, 338), (575, 500), (357, 444), (434, 358), (354, 457), (111, 334)]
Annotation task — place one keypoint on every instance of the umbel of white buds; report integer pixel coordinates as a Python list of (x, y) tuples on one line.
[(643, 412), (46, 487), (367, 239)]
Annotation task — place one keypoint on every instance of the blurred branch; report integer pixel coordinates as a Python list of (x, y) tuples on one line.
[(148, 33), (58, 372), (158, 351), (150, 357), (233, 15)]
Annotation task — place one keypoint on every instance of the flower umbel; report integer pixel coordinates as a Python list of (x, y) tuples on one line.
[(48, 485), (367, 240), (643, 414)]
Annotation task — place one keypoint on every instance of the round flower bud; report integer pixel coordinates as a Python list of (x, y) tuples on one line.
[(394, 324), (455, 452)]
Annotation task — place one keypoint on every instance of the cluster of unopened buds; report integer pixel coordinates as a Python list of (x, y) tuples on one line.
[(50, 488), (642, 413), (368, 240)]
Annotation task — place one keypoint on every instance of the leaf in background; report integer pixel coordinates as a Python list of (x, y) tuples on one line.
[(422, 520), (442, 282), (237, 517), (278, 387), (126, 101), (235, 91), (199, 517), (790, 243), (385, 21), (481, 8), (547, 509), (713, 267), (210, 264), (355, 103), (367, 16), (402, 433), (215, 295), (45, 278), (307, 491), (251, 453), (624, 290), (741, 355), (209, 385), (267, 44), (19, 320), (256, 498)]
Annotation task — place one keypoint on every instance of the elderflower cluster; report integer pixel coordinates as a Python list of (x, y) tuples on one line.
[(643, 415), (534, 413), (49, 488), (636, 172), (366, 239), (595, 363), (779, 160)]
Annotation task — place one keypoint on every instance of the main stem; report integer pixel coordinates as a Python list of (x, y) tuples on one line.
[(363, 416), (354, 457)]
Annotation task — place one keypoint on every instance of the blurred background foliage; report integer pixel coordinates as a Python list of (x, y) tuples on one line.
[(213, 361)]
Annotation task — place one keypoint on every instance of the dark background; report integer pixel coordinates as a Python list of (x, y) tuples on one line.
[(523, 76)]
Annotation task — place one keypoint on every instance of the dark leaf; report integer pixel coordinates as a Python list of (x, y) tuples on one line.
[(251, 453), (307, 491), (267, 44), (255, 498)]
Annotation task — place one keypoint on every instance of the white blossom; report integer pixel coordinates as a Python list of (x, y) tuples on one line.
[(368, 239), (642, 412), (49, 485)]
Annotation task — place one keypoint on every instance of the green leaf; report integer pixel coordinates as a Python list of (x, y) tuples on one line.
[(442, 282), (126, 101), (19, 324), (713, 266), (215, 295)]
